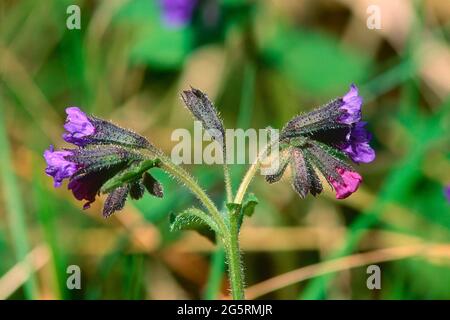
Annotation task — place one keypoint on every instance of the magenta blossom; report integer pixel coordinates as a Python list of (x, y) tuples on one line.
[(349, 184)]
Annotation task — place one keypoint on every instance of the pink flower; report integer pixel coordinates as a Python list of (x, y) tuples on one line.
[(349, 184)]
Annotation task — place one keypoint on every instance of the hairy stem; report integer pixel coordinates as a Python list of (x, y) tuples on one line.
[(233, 252), (228, 232), (251, 173), (246, 181), (228, 186)]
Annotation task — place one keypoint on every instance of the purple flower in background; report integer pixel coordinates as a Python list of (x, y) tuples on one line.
[(177, 13), (447, 192), (58, 166), (78, 127), (357, 144)]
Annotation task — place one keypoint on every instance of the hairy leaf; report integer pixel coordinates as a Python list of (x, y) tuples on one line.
[(194, 219), (115, 201), (203, 110), (152, 185)]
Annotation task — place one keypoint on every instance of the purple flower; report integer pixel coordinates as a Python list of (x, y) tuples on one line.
[(58, 166), (177, 13), (351, 106), (83, 130), (78, 127), (357, 144)]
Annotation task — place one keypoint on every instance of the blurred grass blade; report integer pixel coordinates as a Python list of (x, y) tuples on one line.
[(216, 272), (14, 207), (247, 97), (46, 213)]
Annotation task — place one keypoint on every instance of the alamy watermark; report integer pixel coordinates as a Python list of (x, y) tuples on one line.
[(374, 19), (73, 21), (374, 280), (241, 147), (74, 279)]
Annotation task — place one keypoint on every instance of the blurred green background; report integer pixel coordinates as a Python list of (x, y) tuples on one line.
[(261, 62)]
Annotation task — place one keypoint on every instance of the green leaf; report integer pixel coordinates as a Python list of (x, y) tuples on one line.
[(249, 205), (246, 209), (127, 175), (194, 219)]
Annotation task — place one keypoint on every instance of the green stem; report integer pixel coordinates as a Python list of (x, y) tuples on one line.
[(229, 233), (228, 187), (251, 173), (246, 181), (235, 270)]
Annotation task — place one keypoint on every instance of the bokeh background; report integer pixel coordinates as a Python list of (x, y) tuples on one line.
[(261, 62)]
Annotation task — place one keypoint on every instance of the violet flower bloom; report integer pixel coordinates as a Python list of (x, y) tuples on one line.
[(83, 130), (78, 127), (320, 140), (351, 105), (177, 13), (357, 145), (58, 166), (103, 151)]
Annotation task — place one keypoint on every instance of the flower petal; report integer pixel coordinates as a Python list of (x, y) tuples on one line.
[(357, 144), (78, 127), (351, 105), (58, 166), (349, 184)]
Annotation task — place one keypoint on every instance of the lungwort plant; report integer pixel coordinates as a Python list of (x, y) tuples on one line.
[(107, 159)]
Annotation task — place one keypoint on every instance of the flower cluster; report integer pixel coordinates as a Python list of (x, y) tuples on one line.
[(103, 151), (320, 141)]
